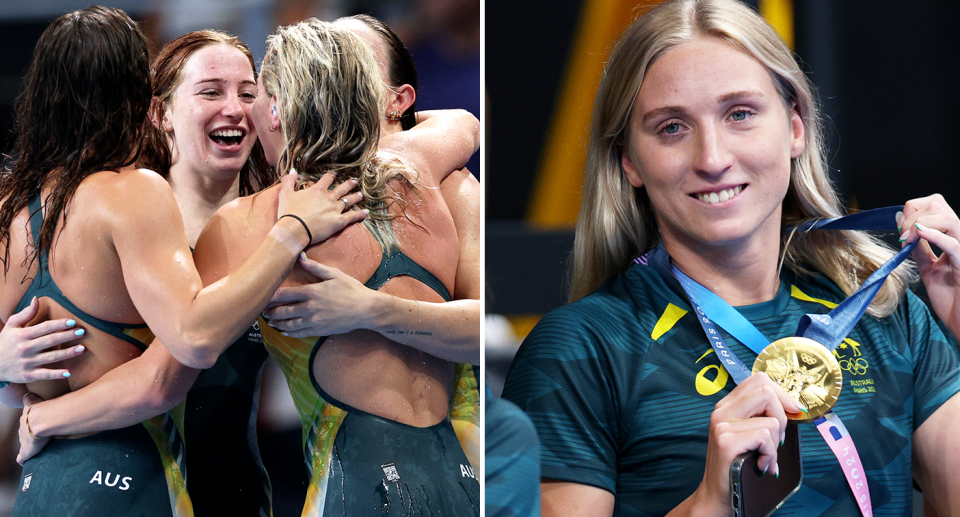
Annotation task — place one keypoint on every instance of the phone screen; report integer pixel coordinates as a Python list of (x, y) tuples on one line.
[(753, 494)]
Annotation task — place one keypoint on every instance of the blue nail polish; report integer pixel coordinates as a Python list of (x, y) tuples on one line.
[(66, 374), (71, 323), (79, 332)]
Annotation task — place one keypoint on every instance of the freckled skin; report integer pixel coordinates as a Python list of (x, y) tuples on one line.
[(201, 106)]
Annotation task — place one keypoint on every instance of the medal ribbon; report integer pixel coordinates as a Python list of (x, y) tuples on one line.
[(827, 329)]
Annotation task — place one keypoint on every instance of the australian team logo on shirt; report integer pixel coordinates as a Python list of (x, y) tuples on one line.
[(855, 366)]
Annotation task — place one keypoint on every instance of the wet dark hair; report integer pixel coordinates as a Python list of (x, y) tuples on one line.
[(166, 73), (401, 69), (84, 99)]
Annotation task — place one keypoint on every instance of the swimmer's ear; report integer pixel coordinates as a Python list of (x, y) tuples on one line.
[(633, 175), (274, 114), (159, 116), (798, 140), (401, 98)]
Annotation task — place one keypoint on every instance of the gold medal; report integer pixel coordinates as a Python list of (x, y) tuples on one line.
[(806, 370)]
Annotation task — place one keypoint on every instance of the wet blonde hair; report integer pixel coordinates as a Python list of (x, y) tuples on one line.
[(617, 221), (329, 100)]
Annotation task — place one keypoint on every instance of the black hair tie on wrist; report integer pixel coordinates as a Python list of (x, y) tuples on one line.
[(309, 235)]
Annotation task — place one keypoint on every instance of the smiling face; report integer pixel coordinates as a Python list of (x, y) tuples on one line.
[(711, 141), (209, 115)]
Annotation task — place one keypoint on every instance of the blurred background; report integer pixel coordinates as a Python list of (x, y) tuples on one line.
[(444, 38), (887, 73)]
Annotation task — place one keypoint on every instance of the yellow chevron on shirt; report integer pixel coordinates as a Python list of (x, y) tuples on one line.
[(800, 295), (667, 320)]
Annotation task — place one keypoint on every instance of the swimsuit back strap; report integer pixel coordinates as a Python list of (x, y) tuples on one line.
[(399, 264), (43, 285)]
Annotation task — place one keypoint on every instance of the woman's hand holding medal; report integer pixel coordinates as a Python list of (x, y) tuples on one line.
[(806, 370), (752, 417), (932, 219)]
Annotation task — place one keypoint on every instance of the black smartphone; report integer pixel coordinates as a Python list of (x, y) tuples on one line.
[(755, 494)]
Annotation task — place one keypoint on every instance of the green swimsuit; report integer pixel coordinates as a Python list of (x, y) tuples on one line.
[(361, 464), (136, 470)]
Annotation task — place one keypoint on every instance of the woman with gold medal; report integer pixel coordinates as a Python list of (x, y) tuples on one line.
[(705, 150)]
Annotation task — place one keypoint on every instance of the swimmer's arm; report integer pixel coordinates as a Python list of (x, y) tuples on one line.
[(197, 323), (453, 326), (12, 394), (339, 303), (464, 197), (563, 499), (936, 458), (450, 331), (442, 141), (135, 391)]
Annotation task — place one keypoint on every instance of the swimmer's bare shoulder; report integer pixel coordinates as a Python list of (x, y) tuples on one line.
[(131, 205), (441, 142), (233, 234), (118, 227), (138, 215)]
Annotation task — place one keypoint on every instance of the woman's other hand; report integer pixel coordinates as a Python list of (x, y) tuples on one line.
[(29, 445), (932, 219), (22, 348), (336, 304), (752, 417), (323, 210)]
